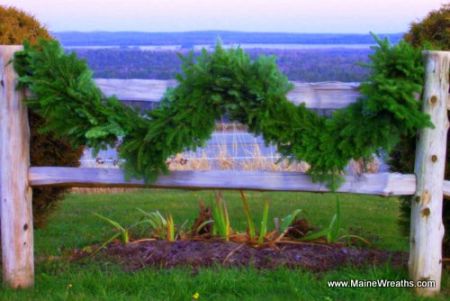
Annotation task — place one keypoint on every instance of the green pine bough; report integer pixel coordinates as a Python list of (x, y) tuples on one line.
[(252, 92)]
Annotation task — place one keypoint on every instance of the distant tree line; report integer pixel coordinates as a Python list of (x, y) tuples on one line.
[(299, 65), (210, 37)]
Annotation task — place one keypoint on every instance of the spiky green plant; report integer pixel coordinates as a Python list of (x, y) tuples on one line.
[(264, 223), (221, 225), (251, 229), (170, 233), (332, 232), (122, 232), (287, 221), (156, 220), (161, 226), (250, 224)]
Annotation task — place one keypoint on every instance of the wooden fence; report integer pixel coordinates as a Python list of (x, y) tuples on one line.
[(427, 184), (320, 96)]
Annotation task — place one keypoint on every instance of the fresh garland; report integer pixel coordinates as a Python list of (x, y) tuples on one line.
[(252, 92)]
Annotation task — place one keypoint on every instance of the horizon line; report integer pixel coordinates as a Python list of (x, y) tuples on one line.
[(225, 31)]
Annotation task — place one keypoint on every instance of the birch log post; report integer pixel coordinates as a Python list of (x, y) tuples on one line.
[(427, 230), (16, 195)]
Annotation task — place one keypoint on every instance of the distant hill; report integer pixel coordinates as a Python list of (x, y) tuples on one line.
[(188, 39)]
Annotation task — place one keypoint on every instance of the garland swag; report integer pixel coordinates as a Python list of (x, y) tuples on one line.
[(252, 92)]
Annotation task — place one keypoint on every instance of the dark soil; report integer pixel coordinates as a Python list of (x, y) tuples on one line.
[(313, 257)]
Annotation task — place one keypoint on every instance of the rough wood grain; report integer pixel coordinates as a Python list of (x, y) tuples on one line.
[(322, 95), (16, 210), (427, 230), (380, 184)]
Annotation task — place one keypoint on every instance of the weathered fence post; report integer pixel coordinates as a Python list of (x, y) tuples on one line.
[(16, 197), (427, 230)]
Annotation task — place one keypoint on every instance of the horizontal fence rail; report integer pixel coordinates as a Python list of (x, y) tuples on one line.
[(385, 184), (321, 95)]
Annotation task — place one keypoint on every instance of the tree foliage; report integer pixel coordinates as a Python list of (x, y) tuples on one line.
[(250, 91), (433, 31), (16, 27)]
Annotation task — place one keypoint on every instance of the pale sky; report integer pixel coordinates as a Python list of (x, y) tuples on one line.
[(307, 16)]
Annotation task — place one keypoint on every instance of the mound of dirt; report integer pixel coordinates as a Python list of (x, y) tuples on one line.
[(313, 257)]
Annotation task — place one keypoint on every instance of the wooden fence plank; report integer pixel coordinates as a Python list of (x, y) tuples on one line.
[(321, 95), (318, 95), (16, 209), (380, 184), (427, 230)]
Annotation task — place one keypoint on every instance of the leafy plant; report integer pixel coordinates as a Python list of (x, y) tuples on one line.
[(264, 223), (284, 226), (170, 228), (332, 232), (122, 231), (287, 221), (203, 225), (221, 225), (161, 226), (250, 224), (157, 222)]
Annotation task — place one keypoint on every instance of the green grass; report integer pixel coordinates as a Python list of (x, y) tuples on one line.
[(75, 226)]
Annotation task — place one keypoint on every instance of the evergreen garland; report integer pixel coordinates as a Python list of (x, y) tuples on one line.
[(252, 92)]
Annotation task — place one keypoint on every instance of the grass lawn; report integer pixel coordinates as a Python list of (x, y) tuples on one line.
[(75, 226)]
